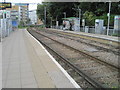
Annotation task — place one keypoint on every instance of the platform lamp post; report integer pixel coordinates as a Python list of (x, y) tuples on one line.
[(108, 18)]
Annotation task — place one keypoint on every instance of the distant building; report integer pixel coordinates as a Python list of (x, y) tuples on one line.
[(14, 15), (20, 12), (33, 16), (23, 13), (14, 12)]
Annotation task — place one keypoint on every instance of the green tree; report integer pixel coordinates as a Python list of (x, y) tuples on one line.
[(28, 21), (40, 11), (21, 23), (89, 17), (89, 10), (55, 10)]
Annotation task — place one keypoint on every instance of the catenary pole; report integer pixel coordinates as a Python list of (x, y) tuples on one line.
[(108, 18), (79, 15), (45, 15)]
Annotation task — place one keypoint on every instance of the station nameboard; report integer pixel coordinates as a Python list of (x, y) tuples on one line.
[(4, 5)]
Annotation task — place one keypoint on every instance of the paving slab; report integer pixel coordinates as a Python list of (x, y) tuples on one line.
[(48, 66), (15, 62), (26, 64)]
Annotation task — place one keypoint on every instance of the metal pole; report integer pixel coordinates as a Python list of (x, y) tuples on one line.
[(79, 15), (56, 22), (3, 24), (51, 22), (1, 28), (65, 14), (45, 16), (108, 18)]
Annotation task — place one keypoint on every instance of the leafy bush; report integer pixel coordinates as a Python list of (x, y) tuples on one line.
[(117, 34)]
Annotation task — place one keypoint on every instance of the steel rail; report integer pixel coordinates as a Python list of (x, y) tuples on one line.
[(77, 35), (85, 54), (90, 80), (99, 47)]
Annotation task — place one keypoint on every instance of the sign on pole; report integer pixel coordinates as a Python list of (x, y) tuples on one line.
[(14, 23), (4, 5)]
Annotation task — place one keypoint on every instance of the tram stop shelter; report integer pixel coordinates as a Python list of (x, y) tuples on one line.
[(71, 23)]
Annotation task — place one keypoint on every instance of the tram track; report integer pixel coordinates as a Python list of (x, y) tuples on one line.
[(108, 54), (80, 62), (103, 47)]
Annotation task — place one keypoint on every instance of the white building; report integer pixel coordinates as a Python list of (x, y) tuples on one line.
[(14, 14), (33, 16), (20, 11), (23, 13)]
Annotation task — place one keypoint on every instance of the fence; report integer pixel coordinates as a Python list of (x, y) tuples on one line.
[(5, 27), (92, 30)]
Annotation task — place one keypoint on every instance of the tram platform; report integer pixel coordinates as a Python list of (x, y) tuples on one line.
[(27, 64), (110, 40)]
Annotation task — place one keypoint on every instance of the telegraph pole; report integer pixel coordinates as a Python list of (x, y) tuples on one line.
[(108, 18)]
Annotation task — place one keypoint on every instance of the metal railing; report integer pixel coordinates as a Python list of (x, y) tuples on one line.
[(92, 30)]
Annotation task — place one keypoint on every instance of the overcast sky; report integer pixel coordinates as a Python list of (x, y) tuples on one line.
[(32, 6)]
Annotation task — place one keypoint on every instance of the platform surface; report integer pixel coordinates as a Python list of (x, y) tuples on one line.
[(26, 64)]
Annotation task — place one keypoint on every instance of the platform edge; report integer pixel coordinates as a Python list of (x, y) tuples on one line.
[(59, 66)]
